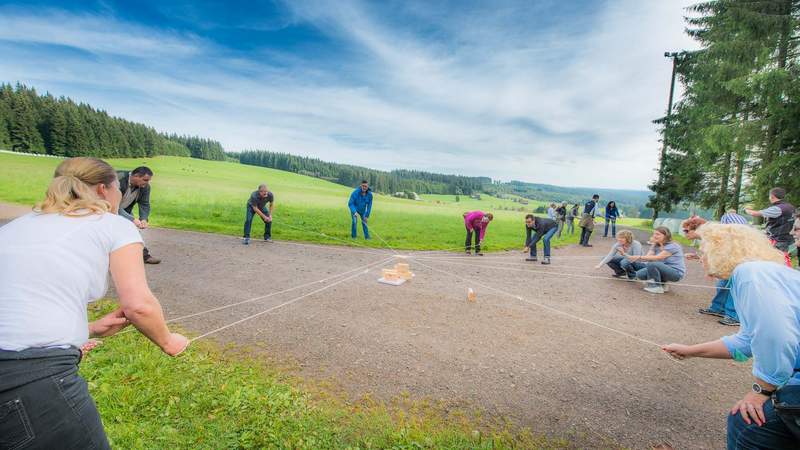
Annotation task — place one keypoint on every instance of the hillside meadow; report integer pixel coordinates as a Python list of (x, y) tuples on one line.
[(210, 196)]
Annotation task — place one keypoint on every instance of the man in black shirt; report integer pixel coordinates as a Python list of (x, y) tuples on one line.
[(544, 229), (135, 188), (257, 204)]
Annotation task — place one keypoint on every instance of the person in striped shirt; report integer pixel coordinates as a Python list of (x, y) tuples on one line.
[(732, 217)]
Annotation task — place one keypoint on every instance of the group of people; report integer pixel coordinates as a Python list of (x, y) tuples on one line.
[(55, 260)]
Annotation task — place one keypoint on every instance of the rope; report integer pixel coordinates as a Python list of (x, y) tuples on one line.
[(543, 306), (286, 303), (349, 243), (574, 275)]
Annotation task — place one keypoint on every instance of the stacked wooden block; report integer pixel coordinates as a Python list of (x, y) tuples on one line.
[(397, 275)]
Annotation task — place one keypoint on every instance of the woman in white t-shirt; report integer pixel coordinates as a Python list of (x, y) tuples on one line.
[(53, 262)]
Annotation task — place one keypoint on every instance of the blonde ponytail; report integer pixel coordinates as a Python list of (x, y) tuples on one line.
[(71, 191)]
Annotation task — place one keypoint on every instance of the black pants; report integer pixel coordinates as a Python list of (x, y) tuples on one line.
[(616, 265), (477, 234), (585, 234), (45, 404)]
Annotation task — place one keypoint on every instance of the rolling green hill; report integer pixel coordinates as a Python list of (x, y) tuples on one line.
[(210, 196)]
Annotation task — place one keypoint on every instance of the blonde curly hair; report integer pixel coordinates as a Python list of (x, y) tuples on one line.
[(726, 246)]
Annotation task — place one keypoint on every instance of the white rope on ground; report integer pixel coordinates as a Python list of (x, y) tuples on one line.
[(220, 308), (566, 274), (288, 302), (549, 308), (385, 243), (518, 260), (254, 299), (349, 243), (370, 251)]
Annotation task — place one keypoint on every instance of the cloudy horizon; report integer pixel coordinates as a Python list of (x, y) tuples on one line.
[(543, 92)]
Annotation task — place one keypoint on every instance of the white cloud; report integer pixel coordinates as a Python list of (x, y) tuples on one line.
[(486, 96)]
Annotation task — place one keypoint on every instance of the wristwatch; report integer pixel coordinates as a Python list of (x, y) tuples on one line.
[(760, 390)]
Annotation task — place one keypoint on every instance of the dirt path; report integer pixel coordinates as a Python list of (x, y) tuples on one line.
[(551, 372)]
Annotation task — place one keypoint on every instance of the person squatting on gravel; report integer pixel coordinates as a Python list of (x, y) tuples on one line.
[(625, 246), (476, 223), (767, 297), (542, 229), (257, 204), (663, 263), (53, 262), (135, 188)]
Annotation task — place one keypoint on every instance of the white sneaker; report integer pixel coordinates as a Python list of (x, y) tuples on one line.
[(654, 289), (665, 287)]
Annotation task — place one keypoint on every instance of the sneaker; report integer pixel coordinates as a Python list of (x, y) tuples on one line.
[(654, 289), (619, 275), (588, 245), (267, 239), (665, 286), (729, 321), (469, 253), (246, 241), (546, 260), (710, 312), (532, 258), (631, 279), (478, 253), (152, 260)]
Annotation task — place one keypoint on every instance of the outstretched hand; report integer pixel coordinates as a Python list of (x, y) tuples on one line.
[(176, 344), (677, 351), (109, 324)]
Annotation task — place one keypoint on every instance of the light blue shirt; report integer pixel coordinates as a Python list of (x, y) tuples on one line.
[(675, 260), (767, 298)]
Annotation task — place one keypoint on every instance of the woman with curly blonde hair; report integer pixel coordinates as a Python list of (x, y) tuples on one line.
[(53, 262), (766, 294)]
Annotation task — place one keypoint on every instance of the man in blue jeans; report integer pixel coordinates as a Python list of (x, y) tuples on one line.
[(360, 205), (257, 204), (544, 229)]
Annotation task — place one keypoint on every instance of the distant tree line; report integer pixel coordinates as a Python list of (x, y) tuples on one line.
[(381, 181), (34, 123), (735, 133)]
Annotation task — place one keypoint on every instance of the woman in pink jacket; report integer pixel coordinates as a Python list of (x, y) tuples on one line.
[(476, 223)]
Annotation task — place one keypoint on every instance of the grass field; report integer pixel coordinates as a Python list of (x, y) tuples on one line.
[(209, 399), (210, 196)]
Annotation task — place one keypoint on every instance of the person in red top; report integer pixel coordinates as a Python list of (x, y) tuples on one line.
[(476, 223)]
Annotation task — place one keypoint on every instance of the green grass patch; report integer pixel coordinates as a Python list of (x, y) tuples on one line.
[(210, 196), (210, 398)]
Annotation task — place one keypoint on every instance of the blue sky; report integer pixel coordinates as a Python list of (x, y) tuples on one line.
[(558, 92)]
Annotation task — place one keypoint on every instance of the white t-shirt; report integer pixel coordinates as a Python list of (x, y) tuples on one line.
[(51, 267)]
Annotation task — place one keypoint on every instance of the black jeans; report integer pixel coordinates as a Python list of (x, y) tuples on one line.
[(477, 234), (45, 404), (585, 234), (616, 265)]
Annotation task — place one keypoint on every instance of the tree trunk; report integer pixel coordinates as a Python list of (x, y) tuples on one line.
[(737, 181), (722, 198)]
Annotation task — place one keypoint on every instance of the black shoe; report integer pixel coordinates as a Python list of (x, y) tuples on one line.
[(546, 260), (729, 322), (588, 245), (532, 258), (152, 260), (478, 254), (469, 253), (710, 312)]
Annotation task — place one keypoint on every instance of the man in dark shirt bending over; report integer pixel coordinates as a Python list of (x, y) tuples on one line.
[(544, 229), (257, 204)]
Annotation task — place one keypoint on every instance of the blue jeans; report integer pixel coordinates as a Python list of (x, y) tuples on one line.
[(658, 272), (44, 403), (774, 434), (723, 301), (248, 223), (613, 227), (353, 227), (545, 242), (631, 268)]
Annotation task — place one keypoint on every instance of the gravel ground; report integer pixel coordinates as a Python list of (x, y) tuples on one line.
[(565, 355)]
